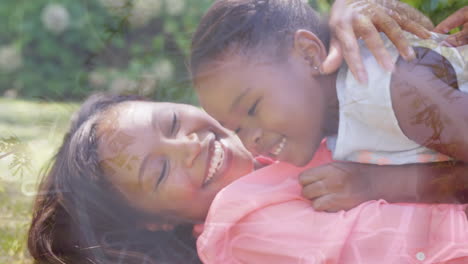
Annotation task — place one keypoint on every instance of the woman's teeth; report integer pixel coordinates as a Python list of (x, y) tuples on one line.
[(216, 161), (280, 147)]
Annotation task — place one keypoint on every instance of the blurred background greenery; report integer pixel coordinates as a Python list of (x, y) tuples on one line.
[(53, 53)]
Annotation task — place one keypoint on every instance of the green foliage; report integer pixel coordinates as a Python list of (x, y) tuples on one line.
[(14, 225), (52, 64), (437, 10), (137, 46), (30, 133), (118, 45), (20, 162)]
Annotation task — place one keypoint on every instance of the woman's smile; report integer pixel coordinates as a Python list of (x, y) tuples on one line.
[(216, 161), (171, 157)]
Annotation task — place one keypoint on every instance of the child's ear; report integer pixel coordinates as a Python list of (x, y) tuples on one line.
[(310, 47)]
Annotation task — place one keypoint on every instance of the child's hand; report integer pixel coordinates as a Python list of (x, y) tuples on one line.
[(350, 19), (341, 186), (457, 19), (336, 186)]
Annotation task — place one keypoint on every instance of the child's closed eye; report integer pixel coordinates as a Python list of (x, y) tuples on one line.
[(253, 108), (164, 173)]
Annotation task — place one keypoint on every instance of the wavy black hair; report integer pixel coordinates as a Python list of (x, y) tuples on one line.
[(79, 218)]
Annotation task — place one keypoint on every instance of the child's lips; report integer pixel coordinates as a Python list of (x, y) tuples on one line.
[(275, 150), (279, 147)]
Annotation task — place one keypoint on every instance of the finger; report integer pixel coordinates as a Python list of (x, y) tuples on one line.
[(453, 21), (351, 54), (332, 182), (335, 202), (334, 59), (312, 175), (460, 38), (370, 35), (415, 28), (412, 14), (328, 203), (315, 190), (409, 24), (394, 32)]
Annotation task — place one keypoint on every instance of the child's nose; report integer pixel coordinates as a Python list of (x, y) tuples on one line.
[(192, 149), (251, 139)]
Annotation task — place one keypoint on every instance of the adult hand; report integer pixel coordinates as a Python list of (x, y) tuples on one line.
[(336, 186), (350, 19), (459, 18)]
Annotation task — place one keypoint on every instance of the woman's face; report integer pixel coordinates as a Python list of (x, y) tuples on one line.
[(168, 158)]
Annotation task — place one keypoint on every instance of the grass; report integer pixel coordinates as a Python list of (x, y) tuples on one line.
[(39, 127)]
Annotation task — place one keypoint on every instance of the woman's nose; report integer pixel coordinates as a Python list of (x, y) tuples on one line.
[(192, 148)]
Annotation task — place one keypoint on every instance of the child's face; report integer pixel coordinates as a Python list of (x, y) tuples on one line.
[(277, 109), (169, 158)]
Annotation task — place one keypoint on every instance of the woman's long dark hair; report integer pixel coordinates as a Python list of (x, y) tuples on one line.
[(79, 218)]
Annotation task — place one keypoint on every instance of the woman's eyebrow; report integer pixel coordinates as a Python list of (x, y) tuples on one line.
[(239, 98)]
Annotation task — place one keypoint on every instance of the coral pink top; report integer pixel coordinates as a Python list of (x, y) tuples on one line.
[(262, 218)]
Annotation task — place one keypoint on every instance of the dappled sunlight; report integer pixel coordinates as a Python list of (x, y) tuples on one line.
[(55, 54)]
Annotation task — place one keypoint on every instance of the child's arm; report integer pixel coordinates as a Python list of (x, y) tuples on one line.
[(428, 105), (344, 185)]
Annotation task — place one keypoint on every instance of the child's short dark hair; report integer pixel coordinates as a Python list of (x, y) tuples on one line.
[(253, 25)]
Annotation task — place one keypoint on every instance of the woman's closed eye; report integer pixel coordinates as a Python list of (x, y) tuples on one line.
[(164, 173), (174, 124)]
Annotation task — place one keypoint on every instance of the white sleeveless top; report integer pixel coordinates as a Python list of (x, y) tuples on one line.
[(368, 129)]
